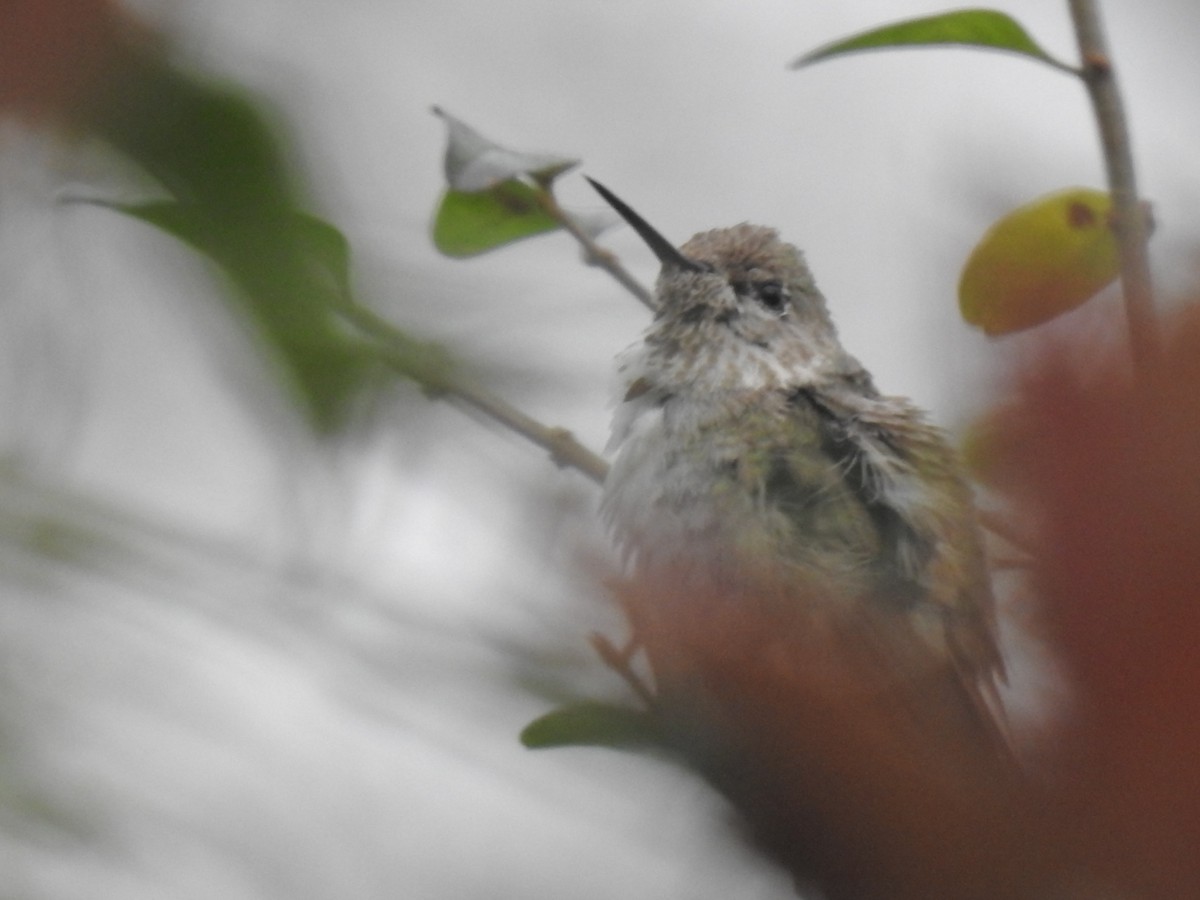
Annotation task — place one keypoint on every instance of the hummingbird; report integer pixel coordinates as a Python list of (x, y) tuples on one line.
[(747, 439)]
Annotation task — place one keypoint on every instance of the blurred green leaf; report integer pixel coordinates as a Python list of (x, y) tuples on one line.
[(592, 724), (207, 143), (470, 223), (967, 27), (215, 152), (291, 271), (476, 163), (325, 246)]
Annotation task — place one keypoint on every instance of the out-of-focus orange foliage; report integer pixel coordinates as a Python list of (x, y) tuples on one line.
[(1112, 464), (56, 54), (843, 749), (852, 754)]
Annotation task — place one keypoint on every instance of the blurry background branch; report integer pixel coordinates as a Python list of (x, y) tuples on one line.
[(430, 367)]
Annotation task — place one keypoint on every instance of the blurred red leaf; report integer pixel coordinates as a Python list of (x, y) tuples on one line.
[(1112, 471), (850, 752), (53, 53)]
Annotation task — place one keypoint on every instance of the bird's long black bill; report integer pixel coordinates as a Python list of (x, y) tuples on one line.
[(666, 252)]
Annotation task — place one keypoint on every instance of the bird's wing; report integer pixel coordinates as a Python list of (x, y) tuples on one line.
[(879, 477), (905, 474)]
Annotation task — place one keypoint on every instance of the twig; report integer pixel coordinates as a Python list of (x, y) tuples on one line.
[(430, 367), (619, 661), (1130, 223), (596, 255)]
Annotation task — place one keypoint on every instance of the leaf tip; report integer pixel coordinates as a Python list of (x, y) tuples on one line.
[(591, 724)]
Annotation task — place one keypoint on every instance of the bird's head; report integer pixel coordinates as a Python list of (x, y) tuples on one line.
[(735, 307)]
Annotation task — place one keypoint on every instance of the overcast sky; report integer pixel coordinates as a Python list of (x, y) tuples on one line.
[(220, 726)]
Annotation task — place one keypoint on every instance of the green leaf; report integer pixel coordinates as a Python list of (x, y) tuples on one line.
[(476, 163), (215, 150), (205, 142), (967, 27), (323, 246), (291, 274), (467, 224), (592, 724)]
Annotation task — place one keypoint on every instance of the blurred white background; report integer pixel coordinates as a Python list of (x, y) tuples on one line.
[(293, 670)]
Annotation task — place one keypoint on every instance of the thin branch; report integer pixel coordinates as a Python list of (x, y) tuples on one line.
[(430, 367), (619, 661), (595, 254), (1130, 220), (562, 446)]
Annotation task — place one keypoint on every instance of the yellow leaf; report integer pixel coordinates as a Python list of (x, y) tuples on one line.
[(1040, 261)]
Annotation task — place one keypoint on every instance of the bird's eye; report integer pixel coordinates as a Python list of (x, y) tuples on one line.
[(772, 295)]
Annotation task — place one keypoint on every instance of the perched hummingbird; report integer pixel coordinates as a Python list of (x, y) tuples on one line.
[(748, 439)]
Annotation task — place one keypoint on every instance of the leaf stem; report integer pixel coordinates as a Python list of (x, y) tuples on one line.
[(1130, 220), (431, 368), (595, 254)]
